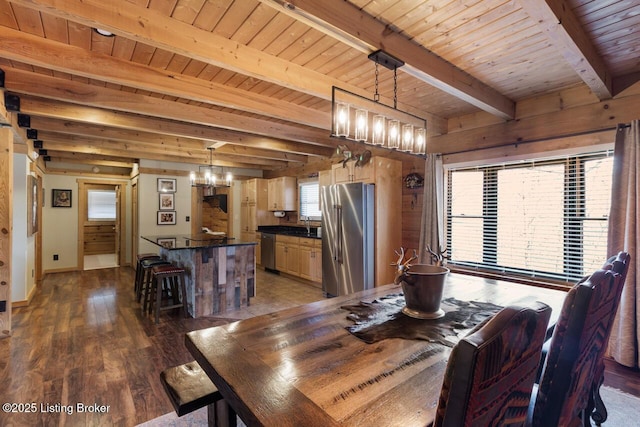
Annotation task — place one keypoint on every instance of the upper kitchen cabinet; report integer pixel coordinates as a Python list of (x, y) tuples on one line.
[(348, 172), (250, 190), (282, 194)]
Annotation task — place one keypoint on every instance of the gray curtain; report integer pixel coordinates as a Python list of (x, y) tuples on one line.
[(624, 235), (432, 224)]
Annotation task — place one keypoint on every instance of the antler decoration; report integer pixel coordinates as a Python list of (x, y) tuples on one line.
[(402, 265), (437, 257)]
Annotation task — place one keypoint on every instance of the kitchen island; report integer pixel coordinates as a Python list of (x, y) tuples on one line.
[(220, 272)]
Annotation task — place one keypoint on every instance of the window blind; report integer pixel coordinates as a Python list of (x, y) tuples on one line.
[(543, 219), (309, 197), (101, 205)]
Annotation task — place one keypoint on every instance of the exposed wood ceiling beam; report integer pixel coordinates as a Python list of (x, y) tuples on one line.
[(419, 62), (34, 50), (136, 149), (92, 95), (261, 153), (558, 22), (88, 159), (71, 112), (152, 28), (61, 142), (158, 30), (589, 118), (114, 134), (54, 169)]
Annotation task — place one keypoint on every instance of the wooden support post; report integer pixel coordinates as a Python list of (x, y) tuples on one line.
[(6, 228)]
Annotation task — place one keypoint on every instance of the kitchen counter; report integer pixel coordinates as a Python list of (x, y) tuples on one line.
[(289, 230), (192, 241), (220, 271)]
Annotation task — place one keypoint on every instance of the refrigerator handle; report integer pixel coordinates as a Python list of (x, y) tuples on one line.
[(337, 249)]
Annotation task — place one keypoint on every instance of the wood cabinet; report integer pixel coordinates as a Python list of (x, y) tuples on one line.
[(350, 173), (254, 211), (254, 205), (310, 252), (287, 256), (282, 194), (386, 174)]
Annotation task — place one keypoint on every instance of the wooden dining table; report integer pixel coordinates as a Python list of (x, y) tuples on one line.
[(302, 367)]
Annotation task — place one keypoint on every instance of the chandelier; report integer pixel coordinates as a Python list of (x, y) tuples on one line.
[(210, 176), (360, 119)]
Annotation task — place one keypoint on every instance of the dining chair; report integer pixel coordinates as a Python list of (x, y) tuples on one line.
[(564, 395), (597, 409), (491, 371)]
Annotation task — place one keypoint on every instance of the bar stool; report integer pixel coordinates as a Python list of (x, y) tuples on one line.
[(170, 278), (140, 258), (143, 282)]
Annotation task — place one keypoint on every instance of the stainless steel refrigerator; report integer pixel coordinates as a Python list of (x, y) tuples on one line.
[(347, 238)]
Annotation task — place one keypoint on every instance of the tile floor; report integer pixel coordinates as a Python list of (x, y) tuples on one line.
[(275, 292), (94, 262)]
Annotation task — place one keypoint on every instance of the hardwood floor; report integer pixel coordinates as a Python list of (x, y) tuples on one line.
[(84, 340)]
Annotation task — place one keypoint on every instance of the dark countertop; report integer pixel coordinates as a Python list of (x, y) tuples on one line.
[(194, 241), (290, 230)]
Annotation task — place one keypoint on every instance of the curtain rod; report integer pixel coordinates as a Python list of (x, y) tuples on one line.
[(529, 141)]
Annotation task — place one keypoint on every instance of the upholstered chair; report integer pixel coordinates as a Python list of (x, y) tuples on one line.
[(598, 411), (491, 371), (564, 396)]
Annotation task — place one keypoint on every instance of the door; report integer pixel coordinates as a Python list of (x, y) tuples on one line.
[(134, 219), (116, 229), (100, 235)]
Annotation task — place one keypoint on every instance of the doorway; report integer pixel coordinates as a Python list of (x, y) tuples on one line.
[(100, 231)]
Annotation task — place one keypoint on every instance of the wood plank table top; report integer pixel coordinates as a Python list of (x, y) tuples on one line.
[(300, 366)]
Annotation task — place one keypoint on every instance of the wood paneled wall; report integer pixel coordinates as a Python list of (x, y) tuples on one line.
[(412, 200), (6, 228), (100, 239), (214, 218)]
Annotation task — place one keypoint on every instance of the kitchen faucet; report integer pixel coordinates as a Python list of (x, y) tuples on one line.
[(307, 223)]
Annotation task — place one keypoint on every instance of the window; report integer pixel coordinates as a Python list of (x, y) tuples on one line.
[(309, 196), (101, 205), (544, 219)]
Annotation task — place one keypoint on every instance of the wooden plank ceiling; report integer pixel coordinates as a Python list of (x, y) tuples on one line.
[(253, 77)]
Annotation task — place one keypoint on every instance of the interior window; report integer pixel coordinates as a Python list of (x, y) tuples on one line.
[(544, 218), (309, 197), (101, 205)]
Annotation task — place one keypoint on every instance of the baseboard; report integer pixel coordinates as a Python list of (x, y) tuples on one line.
[(61, 270), (25, 303)]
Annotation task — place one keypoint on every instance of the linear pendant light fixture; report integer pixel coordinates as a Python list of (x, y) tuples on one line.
[(360, 119), (210, 176)]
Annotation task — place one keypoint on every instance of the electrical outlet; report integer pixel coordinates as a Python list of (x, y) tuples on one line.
[(188, 219), (55, 257)]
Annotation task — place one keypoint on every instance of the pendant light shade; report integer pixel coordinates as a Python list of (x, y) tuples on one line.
[(360, 119)]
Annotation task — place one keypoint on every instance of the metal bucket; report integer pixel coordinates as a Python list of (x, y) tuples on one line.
[(422, 286)]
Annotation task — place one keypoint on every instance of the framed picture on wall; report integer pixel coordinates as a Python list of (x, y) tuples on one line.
[(32, 206), (166, 217), (60, 198), (166, 185), (166, 202), (169, 242)]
